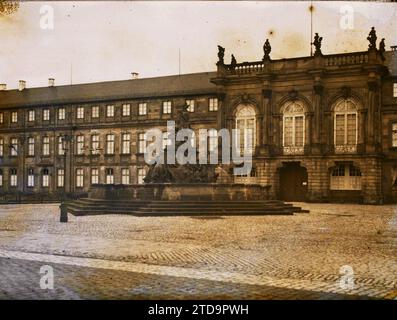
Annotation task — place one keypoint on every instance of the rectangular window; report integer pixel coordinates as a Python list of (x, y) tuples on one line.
[(167, 107), (395, 90), (79, 178), (1, 147), (190, 104), (95, 144), (125, 143), (45, 179), (80, 145), (1, 117), (340, 129), (13, 178), (30, 178), (299, 131), (31, 146), (14, 117), (46, 114), (110, 111), (126, 110), (95, 112), (141, 143), (61, 114), (141, 175), (46, 146), (61, 146), (31, 115), (125, 176), (288, 127), (109, 176), (110, 144), (346, 129), (60, 178), (1, 177), (80, 113), (394, 135), (94, 176), (213, 104), (14, 147), (142, 109)]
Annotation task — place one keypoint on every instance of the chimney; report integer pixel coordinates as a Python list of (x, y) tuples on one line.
[(3, 86), (22, 85), (134, 75), (51, 82)]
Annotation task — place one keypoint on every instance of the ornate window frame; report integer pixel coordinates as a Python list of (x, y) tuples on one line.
[(294, 109), (345, 111), (246, 112)]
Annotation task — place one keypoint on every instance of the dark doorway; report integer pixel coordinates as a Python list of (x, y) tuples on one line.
[(293, 182)]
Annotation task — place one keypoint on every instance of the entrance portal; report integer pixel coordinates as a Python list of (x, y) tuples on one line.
[(293, 182)]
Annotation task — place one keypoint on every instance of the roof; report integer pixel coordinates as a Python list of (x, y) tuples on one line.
[(186, 84)]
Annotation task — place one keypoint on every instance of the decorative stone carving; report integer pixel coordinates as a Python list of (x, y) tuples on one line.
[(177, 173), (221, 55), (293, 150), (266, 50), (317, 45), (382, 48), (372, 39), (233, 62), (345, 148)]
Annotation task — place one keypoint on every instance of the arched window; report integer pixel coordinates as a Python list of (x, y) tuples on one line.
[(293, 127), (345, 126), (246, 124)]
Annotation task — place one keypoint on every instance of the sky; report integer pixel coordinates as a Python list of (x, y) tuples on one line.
[(107, 40)]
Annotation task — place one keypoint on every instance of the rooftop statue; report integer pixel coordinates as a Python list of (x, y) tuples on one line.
[(266, 50), (317, 44), (382, 48), (372, 39), (221, 54), (233, 62)]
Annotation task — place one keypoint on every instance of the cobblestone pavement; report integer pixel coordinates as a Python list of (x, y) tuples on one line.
[(256, 257)]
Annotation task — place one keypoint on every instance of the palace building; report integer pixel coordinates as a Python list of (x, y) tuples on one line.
[(322, 127)]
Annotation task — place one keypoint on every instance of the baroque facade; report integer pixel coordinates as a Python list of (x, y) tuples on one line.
[(322, 127)]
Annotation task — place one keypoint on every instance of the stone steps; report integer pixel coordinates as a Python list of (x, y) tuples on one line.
[(175, 208)]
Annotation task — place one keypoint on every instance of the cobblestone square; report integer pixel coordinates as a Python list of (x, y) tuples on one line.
[(303, 256)]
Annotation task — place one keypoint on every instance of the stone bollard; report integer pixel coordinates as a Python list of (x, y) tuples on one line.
[(64, 213)]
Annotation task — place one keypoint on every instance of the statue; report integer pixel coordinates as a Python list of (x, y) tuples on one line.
[(177, 173), (382, 48), (221, 54), (372, 39), (233, 62), (266, 50), (317, 44)]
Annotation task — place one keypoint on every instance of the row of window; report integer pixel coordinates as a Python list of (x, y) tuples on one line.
[(79, 176), (95, 146), (110, 111)]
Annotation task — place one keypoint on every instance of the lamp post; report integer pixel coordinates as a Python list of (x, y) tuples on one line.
[(64, 214)]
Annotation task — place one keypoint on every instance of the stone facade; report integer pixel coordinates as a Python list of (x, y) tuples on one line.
[(324, 127)]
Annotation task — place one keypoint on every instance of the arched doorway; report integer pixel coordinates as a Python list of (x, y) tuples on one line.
[(293, 182)]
